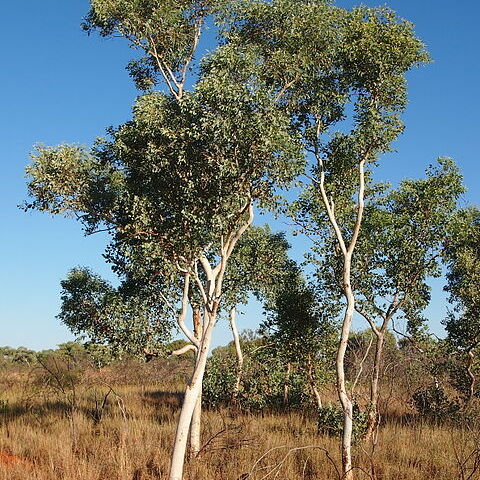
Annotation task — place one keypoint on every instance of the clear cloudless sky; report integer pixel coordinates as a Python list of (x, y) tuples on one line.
[(59, 85)]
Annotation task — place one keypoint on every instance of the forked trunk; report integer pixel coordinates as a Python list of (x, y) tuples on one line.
[(192, 395)]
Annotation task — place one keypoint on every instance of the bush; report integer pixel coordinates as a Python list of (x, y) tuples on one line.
[(264, 381), (219, 381), (432, 402), (330, 421)]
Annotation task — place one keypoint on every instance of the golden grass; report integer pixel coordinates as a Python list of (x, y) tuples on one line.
[(132, 441)]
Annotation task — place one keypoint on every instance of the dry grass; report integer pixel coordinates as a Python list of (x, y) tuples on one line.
[(44, 438)]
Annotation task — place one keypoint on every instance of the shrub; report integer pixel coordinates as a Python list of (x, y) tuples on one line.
[(330, 421), (266, 382), (433, 403)]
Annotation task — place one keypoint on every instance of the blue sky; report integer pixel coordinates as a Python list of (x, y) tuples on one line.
[(59, 85)]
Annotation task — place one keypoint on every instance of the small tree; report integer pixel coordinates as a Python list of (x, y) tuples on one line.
[(398, 251), (462, 255), (259, 266), (303, 329)]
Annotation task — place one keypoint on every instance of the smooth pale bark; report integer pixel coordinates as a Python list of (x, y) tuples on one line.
[(238, 350), (347, 252), (211, 292), (192, 394), (195, 428), (471, 359), (345, 401), (379, 331), (318, 397), (196, 425)]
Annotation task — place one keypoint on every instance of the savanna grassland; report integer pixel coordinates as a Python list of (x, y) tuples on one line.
[(118, 423)]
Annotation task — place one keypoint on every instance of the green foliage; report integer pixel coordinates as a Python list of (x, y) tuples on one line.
[(303, 329), (399, 248), (267, 381), (432, 402), (128, 323), (20, 355), (219, 379), (163, 30), (462, 254), (327, 65), (330, 422), (258, 265)]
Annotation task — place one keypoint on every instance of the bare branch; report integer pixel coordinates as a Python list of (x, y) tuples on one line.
[(369, 319), (161, 66), (198, 29), (360, 370), (233, 241), (361, 204), (184, 349), (326, 202), (286, 87), (199, 282)]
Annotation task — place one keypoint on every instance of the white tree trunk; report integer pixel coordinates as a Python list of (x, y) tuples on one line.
[(345, 400), (238, 350), (313, 384), (347, 252), (211, 292), (192, 395), (471, 375), (195, 428)]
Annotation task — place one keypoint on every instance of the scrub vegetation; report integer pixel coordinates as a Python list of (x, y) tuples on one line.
[(288, 111)]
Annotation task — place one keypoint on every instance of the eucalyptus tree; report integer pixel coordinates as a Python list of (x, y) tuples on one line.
[(175, 186), (462, 256), (256, 267), (341, 76), (398, 252)]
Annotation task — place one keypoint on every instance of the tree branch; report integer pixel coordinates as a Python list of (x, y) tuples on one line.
[(184, 349), (183, 313)]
